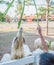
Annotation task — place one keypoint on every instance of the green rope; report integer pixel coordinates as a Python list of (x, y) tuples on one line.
[(36, 11), (19, 22), (8, 8)]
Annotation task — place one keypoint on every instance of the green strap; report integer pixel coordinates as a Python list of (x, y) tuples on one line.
[(36, 11), (19, 22), (8, 8)]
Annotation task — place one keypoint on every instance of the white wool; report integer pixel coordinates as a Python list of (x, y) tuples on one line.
[(39, 43), (6, 57), (26, 50)]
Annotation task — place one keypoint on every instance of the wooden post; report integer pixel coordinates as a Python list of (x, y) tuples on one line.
[(47, 14)]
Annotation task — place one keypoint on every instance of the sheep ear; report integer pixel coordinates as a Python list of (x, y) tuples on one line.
[(23, 39)]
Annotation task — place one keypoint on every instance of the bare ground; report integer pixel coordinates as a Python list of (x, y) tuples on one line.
[(7, 37)]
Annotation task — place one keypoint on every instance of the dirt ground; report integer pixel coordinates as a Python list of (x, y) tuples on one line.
[(7, 33), (7, 37)]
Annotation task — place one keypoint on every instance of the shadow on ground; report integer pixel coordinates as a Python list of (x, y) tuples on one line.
[(7, 37)]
